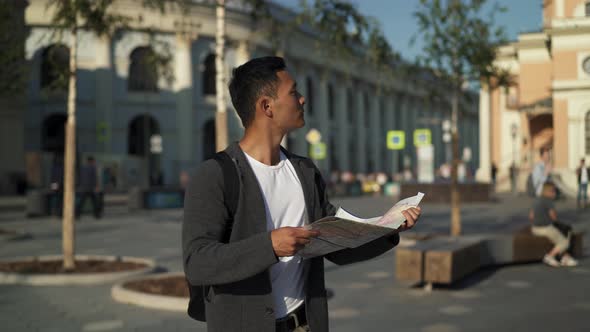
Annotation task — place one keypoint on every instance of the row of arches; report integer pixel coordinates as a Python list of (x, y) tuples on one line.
[(143, 73), (139, 130)]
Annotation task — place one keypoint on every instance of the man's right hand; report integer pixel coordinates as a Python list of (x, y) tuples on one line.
[(287, 241)]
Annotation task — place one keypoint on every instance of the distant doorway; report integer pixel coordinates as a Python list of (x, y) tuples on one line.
[(541, 129), (140, 131), (54, 133)]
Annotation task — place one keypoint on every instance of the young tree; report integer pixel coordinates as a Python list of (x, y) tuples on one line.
[(98, 17), (460, 42), (221, 135)]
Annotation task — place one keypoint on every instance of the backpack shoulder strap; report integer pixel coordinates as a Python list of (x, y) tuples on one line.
[(231, 191), (231, 181)]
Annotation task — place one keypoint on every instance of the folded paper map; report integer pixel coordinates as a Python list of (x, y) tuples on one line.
[(345, 230)]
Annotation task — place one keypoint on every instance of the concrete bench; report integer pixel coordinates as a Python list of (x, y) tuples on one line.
[(528, 247), (445, 259), (438, 260)]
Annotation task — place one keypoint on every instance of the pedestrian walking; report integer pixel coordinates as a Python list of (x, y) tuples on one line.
[(243, 264), (541, 171), (544, 222), (88, 189), (583, 174)]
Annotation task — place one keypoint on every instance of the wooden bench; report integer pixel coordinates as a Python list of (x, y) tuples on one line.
[(450, 262), (438, 260), (445, 259), (528, 247)]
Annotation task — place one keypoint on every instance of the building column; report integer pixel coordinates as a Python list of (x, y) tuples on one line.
[(407, 127), (560, 137), (389, 161), (437, 136), (183, 88), (400, 124), (361, 151), (321, 112), (343, 130), (299, 142), (483, 173), (104, 95), (375, 133)]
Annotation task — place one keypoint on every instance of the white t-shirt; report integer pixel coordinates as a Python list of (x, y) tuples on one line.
[(584, 175), (285, 206)]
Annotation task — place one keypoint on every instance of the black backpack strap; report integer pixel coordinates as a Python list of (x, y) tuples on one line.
[(231, 187), (231, 195)]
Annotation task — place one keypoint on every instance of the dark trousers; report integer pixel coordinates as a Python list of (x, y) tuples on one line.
[(582, 193), (96, 203)]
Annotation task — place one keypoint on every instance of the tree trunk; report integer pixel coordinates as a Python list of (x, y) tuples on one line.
[(68, 231), (491, 133), (455, 198), (221, 139)]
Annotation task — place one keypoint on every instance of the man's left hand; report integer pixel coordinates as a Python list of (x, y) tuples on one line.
[(412, 215)]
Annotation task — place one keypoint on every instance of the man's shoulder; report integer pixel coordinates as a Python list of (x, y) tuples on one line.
[(207, 171)]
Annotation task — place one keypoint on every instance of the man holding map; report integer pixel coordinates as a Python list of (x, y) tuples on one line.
[(250, 263)]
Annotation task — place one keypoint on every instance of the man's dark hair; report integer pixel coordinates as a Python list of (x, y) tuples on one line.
[(251, 80), (90, 159)]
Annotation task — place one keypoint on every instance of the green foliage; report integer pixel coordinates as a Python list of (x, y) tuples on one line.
[(460, 41), (92, 15), (98, 17), (344, 32), (13, 72)]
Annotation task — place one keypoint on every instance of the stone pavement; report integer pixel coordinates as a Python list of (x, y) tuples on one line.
[(365, 296)]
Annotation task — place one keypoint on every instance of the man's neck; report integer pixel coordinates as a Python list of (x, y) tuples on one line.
[(262, 144)]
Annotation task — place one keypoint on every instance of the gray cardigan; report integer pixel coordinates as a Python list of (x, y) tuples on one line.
[(236, 274)]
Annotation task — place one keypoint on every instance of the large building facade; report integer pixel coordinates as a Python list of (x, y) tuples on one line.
[(548, 104), (124, 103)]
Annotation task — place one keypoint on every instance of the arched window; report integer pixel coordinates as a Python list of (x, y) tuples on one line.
[(588, 133), (53, 133), (309, 96), (139, 132), (330, 102), (143, 70), (55, 61), (209, 74)]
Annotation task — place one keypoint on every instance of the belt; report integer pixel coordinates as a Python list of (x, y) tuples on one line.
[(291, 321)]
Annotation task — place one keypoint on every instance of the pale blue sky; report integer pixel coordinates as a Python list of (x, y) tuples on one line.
[(399, 24)]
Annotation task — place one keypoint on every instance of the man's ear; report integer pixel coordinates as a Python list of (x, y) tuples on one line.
[(265, 105)]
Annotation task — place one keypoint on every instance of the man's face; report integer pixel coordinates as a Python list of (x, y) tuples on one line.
[(288, 106)]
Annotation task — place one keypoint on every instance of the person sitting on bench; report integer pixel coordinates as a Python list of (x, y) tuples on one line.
[(543, 218)]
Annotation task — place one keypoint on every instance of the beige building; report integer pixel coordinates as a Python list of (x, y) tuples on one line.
[(549, 103)]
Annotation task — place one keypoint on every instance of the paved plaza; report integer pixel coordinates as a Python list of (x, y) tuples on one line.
[(364, 296)]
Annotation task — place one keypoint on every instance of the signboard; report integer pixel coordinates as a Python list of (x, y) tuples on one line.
[(317, 151), (425, 164), (101, 131), (422, 137), (396, 139), (156, 144), (313, 136), (467, 154)]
